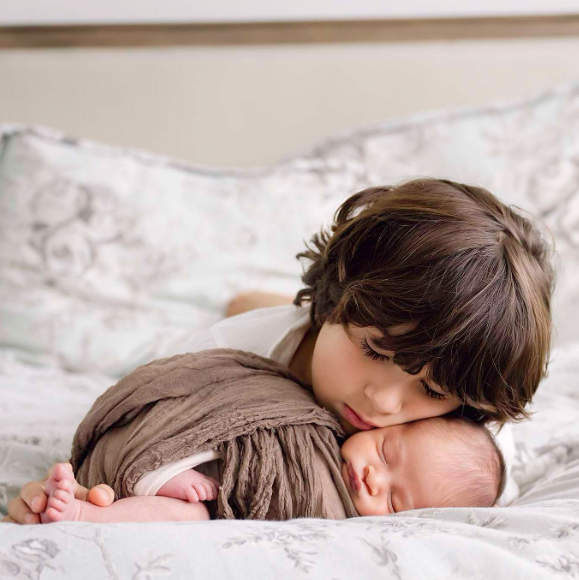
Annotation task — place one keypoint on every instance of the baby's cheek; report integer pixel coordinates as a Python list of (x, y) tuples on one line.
[(365, 509)]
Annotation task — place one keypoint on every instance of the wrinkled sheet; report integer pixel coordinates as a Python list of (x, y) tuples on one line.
[(538, 537)]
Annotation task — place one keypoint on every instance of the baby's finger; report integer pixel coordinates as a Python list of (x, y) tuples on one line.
[(32, 494), (192, 495), (9, 520), (200, 489), (211, 491)]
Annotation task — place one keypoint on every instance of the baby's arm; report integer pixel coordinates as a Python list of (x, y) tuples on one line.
[(190, 485)]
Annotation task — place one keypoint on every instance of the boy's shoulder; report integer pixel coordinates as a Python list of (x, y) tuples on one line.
[(274, 332)]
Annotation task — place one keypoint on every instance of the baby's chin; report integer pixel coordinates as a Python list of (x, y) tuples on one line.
[(365, 511)]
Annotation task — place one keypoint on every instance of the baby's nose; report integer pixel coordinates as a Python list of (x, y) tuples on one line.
[(373, 480)]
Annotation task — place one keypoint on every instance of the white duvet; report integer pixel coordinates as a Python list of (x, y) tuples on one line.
[(538, 537)]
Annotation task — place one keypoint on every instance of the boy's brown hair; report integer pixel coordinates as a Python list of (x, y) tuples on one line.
[(474, 275)]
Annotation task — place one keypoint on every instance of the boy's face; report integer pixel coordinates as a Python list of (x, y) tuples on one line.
[(393, 469), (365, 393)]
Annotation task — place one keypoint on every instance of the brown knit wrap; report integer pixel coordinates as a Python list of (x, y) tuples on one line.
[(281, 458)]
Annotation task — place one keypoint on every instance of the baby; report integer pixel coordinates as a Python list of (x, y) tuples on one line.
[(436, 462)]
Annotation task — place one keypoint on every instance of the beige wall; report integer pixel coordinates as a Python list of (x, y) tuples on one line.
[(255, 104)]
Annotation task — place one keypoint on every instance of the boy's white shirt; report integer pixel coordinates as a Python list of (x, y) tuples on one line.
[(274, 332)]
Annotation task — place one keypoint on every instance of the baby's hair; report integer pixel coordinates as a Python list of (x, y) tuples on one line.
[(472, 274), (477, 471)]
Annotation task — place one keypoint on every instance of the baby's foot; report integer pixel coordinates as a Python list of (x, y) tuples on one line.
[(59, 487), (192, 486)]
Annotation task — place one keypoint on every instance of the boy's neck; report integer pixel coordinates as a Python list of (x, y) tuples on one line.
[(301, 363)]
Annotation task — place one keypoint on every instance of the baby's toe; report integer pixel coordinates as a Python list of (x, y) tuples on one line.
[(61, 471), (62, 495), (53, 514), (65, 484), (55, 503)]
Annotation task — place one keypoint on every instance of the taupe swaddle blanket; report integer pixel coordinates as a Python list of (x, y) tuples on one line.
[(279, 448)]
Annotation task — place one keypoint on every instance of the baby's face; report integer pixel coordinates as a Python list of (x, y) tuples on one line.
[(392, 469)]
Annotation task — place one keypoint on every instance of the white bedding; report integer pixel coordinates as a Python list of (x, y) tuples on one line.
[(536, 538), (108, 255)]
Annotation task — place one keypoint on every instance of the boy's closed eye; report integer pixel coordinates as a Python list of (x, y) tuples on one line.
[(373, 354)]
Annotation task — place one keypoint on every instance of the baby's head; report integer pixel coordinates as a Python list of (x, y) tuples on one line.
[(438, 462)]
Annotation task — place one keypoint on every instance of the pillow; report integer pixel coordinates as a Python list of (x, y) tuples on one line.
[(546, 462), (106, 253)]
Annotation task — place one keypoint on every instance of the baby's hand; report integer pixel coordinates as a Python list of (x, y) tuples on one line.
[(192, 486)]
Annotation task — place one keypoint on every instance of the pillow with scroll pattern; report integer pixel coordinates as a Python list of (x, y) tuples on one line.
[(107, 253)]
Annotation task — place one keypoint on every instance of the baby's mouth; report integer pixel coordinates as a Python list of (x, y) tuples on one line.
[(355, 483)]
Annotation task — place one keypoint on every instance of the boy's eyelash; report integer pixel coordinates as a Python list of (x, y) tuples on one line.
[(432, 394), (371, 353)]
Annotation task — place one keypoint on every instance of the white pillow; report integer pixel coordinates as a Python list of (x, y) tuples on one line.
[(107, 253)]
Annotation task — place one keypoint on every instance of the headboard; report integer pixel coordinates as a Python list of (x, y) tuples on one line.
[(247, 93)]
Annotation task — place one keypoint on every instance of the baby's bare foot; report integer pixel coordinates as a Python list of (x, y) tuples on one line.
[(192, 486), (59, 487)]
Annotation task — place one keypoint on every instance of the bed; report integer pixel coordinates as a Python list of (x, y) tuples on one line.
[(110, 256)]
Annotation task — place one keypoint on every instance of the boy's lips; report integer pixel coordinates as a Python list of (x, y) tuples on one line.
[(354, 419)]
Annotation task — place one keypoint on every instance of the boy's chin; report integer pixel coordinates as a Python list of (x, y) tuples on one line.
[(348, 428)]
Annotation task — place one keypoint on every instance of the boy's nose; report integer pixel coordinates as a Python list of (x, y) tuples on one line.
[(386, 400)]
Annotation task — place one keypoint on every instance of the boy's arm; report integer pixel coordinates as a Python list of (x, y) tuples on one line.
[(251, 300)]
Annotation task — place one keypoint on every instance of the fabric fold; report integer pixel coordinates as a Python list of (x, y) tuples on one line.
[(280, 449)]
